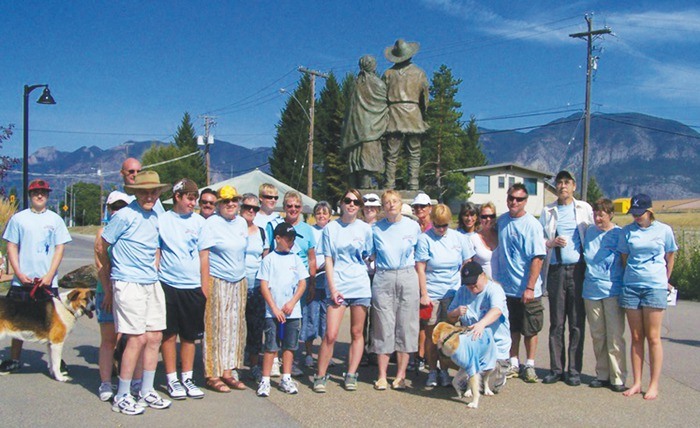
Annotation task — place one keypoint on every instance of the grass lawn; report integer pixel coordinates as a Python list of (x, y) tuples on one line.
[(85, 230)]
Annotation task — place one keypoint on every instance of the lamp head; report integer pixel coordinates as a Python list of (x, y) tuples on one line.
[(46, 97)]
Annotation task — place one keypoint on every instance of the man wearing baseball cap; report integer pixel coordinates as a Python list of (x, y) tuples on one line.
[(35, 241), (565, 222)]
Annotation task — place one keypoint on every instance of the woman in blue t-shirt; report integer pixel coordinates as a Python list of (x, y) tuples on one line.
[(345, 243), (647, 249)]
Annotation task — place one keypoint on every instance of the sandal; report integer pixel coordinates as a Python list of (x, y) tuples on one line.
[(216, 384), (233, 383)]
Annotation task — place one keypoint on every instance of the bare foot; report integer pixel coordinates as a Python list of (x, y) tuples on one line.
[(651, 394), (634, 389)]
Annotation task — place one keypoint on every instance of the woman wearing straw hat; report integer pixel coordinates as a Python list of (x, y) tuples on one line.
[(222, 246)]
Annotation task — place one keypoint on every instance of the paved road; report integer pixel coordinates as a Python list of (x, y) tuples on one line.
[(31, 398)]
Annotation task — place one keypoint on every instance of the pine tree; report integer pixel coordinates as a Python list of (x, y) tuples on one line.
[(6, 162), (471, 147), (288, 161), (594, 192), (330, 176)]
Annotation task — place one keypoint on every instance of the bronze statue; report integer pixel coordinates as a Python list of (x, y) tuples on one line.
[(365, 123), (407, 95)]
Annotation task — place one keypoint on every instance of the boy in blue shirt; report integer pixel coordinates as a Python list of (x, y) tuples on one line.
[(282, 278)]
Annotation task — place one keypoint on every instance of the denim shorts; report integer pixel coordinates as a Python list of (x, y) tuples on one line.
[(290, 341), (102, 316), (314, 317), (359, 301), (637, 298)]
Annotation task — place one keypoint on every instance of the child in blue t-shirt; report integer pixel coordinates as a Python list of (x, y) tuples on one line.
[(282, 278)]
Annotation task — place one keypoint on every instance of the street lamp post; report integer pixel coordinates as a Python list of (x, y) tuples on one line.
[(45, 98)]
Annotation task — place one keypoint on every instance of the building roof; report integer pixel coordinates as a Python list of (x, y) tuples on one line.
[(506, 167)]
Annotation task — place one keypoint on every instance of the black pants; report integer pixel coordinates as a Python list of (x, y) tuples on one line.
[(564, 287)]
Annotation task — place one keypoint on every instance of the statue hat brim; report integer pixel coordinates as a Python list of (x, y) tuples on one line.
[(401, 51)]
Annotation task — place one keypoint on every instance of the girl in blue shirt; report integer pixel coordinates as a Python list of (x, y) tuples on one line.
[(346, 243), (647, 249)]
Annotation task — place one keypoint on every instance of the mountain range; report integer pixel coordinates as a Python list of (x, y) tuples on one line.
[(629, 153)]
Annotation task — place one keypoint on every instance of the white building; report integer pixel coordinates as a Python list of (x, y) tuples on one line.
[(491, 183)]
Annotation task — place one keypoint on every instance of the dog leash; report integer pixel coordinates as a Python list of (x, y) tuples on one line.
[(37, 285)]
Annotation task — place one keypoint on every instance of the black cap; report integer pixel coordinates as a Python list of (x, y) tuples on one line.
[(471, 272), (564, 175), (639, 204), (285, 230)]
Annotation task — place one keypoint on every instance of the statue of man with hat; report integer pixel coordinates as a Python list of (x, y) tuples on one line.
[(407, 95)]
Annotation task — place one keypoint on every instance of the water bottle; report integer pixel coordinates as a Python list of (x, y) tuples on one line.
[(280, 331)]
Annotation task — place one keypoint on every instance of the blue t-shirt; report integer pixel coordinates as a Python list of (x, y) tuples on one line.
[(179, 249), (320, 258), (478, 306), (566, 227), (395, 243), (519, 241), (475, 356), (302, 244), (646, 249), (36, 235), (133, 234), (226, 241), (348, 245), (603, 263), (444, 256), (282, 271), (253, 256)]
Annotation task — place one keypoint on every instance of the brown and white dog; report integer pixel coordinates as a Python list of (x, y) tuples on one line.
[(46, 322), (477, 357)]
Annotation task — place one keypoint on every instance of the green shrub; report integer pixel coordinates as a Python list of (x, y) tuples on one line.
[(686, 271)]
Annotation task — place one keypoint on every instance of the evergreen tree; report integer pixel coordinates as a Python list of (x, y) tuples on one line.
[(288, 161), (184, 143), (6, 162), (471, 147), (330, 176), (594, 192)]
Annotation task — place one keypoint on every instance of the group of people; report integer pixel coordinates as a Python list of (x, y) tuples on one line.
[(245, 281)]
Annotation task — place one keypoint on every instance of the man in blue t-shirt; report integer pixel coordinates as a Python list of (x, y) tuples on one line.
[(565, 222), (520, 253), (35, 242)]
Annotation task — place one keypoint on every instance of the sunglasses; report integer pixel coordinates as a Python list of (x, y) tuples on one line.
[(293, 206), (132, 171), (370, 199), (247, 207), (350, 201), (270, 197), (487, 216), (515, 198), (227, 201), (419, 207), (207, 203), (440, 226)]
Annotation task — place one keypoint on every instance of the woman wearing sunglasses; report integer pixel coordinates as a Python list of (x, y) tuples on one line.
[(256, 249), (485, 240), (346, 243)]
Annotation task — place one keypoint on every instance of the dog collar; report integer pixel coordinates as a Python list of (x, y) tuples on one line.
[(449, 336)]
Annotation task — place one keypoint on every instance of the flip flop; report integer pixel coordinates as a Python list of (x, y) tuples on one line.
[(216, 384)]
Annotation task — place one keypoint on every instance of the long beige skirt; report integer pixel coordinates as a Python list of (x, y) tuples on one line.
[(224, 326)]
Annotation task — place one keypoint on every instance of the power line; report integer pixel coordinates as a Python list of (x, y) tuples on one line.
[(651, 128)]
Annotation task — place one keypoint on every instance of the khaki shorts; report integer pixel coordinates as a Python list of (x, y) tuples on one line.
[(138, 308), (395, 308)]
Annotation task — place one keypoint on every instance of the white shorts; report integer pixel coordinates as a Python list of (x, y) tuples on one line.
[(138, 308)]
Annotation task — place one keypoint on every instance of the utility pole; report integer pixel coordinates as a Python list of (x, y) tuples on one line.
[(102, 198), (591, 64), (310, 171), (207, 141)]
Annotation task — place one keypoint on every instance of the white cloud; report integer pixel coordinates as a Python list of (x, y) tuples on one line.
[(677, 82), (655, 26)]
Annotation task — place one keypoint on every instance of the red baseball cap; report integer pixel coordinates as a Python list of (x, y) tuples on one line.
[(39, 185)]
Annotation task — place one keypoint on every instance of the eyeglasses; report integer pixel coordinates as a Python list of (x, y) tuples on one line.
[(370, 200), (270, 197), (293, 206), (487, 216), (419, 206), (132, 171), (517, 199), (350, 201), (441, 226), (247, 207), (203, 202)]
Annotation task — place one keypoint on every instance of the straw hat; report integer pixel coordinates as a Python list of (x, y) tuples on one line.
[(145, 180)]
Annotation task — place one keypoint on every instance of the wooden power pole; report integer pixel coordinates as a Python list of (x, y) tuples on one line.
[(310, 171), (590, 64)]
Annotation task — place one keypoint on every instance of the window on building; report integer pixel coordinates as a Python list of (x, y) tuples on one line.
[(481, 184), (501, 182), (531, 186), (511, 181)]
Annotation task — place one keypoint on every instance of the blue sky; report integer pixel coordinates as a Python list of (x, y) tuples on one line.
[(129, 70)]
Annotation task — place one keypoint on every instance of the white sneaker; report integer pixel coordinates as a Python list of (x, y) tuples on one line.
[(432, 379), (127, 405), (106, 391), (296, 371), (444, 378), (309, 361), (256, 372), (176, 390), (289, 386), (193, 391), (154, 401), (275, 372), (263, 389)]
